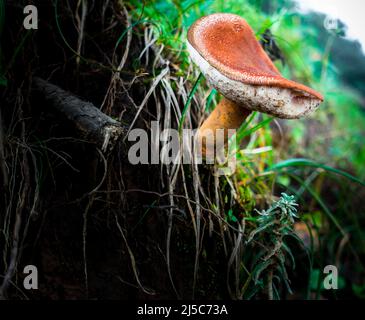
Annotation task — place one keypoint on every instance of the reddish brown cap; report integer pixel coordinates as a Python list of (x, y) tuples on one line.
[(228, 44)]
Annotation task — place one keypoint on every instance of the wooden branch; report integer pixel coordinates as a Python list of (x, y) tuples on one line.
[(94, 125)]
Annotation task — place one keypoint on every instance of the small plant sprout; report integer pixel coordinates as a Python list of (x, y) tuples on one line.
[(284, 208), (273, 225)]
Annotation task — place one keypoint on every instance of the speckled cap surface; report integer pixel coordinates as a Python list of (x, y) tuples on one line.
[(224, 46)]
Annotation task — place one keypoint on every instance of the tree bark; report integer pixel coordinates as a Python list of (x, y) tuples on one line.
[(93, 125)]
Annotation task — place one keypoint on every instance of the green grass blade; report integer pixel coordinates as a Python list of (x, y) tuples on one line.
[(209, 100), (254, 128), (187, 104), (301, 162), (243, 131), (317, 197)]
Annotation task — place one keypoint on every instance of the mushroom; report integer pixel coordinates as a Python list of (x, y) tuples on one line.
[(228, 54)]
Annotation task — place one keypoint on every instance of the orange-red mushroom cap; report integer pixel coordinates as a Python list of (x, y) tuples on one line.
[(225, 48)]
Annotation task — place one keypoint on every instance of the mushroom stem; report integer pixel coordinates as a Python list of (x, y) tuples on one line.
[(226, 115)]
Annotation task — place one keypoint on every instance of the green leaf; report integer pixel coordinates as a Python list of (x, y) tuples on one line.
[(259, 269), (231, 216), (288, 250), (258, 230)]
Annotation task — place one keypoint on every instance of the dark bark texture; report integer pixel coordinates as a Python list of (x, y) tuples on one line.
[(94, 125)]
